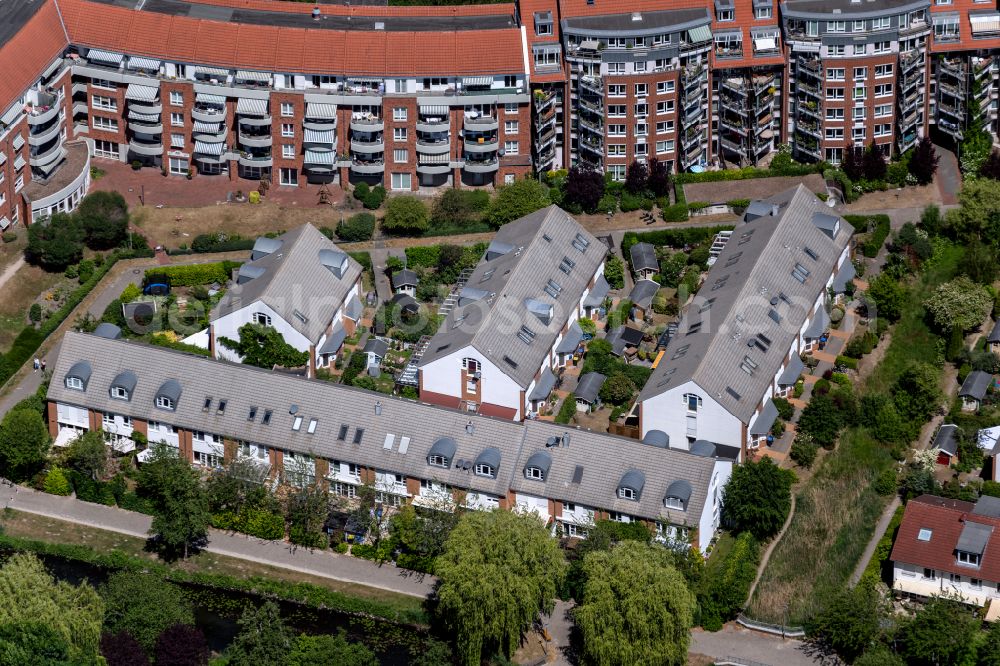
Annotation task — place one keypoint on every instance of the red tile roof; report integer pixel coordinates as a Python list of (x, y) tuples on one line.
[(367, 53), (29, 52), (365, 10), (945, 518), (571, 8)]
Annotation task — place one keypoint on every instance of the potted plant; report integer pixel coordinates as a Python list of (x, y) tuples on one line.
[(190, 173), (136, 165)]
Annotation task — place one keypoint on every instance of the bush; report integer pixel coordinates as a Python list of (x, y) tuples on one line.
[(848, 362), (886, 483), (568, 409), (219, 242), (301, 537), (728, 589), (370, 197), (56, 482), (423, 256), (785, 408), (197, 274), (674, 213), (803, 452), (256, 522), (406, 215), (356, 228), (89, 490), (35, 313)]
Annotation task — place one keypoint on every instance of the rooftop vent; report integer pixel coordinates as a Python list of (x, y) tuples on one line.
[(470, 428), (378, 408), (294, 409), (636, 16)]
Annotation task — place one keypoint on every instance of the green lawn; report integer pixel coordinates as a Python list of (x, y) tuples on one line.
[(836, 510)]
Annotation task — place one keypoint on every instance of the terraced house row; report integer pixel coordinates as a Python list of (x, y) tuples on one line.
[(471, 95), (305, 431)]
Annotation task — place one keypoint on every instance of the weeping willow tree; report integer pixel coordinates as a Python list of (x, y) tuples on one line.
[(636, 607), (499, 569)]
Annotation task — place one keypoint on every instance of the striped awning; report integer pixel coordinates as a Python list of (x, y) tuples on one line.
[(18, 163), (324, 157), (700, 34), (18, 142), (258, 77), (107, 57), (985, 23), (251, 107), (433, 159), (213, 149), (364, 79), (4, 222), (316, 136), (435, 110), (477, 80), (3, 159), (207, 128), (135, 62), (322, 111), (139, 93), (213, 71), (206, 98), (144, 117)]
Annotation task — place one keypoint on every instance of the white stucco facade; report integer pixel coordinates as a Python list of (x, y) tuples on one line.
[(670, 412), (912, 579)]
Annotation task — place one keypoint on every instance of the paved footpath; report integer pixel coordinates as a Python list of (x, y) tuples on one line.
[(747, 646), (275, 553)]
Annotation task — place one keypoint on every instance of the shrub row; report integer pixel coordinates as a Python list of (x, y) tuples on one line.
[(672, 237), (362, 258), (197, 274), (255, 522), (161, 340), (424, 256)]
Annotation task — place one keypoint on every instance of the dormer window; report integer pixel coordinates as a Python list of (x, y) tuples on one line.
[(673, 503), (442, 452), (119, 393), (164, 402), (970, 559), (74, 383), (626, 493), (168, 394), (538, 465), (78, 376), (485, 470), (123, 385), (437, 461), (534, 473)]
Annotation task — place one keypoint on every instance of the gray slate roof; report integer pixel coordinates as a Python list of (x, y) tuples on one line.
[(589, 387), (642, 293), (792, 371), (546, 382), (376, 346), (571, 340), (843, 276), (598, 293), (404, 278), (753, 271), (994, 335), (492, 307), (335, 405), (976, 385), (974, 537), (987, 505), (623, 337), (946, 439), (334, 341), (765, 420), (293, 280), (643, 256)]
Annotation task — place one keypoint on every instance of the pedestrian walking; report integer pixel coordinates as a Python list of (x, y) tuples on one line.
[(43, 365), (38, 364)]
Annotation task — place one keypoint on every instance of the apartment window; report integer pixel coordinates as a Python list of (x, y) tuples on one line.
[(616, 130), (858, 26), (883, 70), (261, 319), (163, 402), (859, 49), (399, 113), (835, 93), (883, 130), (104, 148), (858, 133), (663, 147), (176, 140), (881, 23), (812, 28), (762, 12), (663, 87), (641, 110), (288, 151), (835, 50), (639, 67), (860, 73), (399, 134), (534, 473), (665, 127), (616, 68), (617, 172), (641, 129), (400, 155), (617, 110), (834, 114), (930, 574), (664, 107), (512, 147), (641, 89), (177, 119), (723, 15), (176, 98), (74, 383), (883, 89), (288, 176), (835, 74), (616, 90), (19, 183), (883, 110), (178, 166), (836, 26), (693, 401), (103, 83), (641, 149), (401, 181), (109, 124), (106, 103), (287, 110), (616, 150), (511, 127), (287, 130), (510, 107), (859, 113), (626, 493), (882, 47), (860, 92), (971, 559), (835, 133), (976, 583)]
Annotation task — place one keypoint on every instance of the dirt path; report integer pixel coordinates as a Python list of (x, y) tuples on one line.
[(770, 548), (10, 271)]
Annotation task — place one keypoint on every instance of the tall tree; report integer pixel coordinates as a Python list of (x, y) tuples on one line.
[(36, 644), (329, 649), (29, 594), (122, 650), (55, 243), (849, 623), (264, 640), (499, 569), (88, 454), (516, 200), (406, 215), (264, 347), (991, 167), (637, 177), (143, 605), (978, 215), (960, 303), (636, 607), (853, 163), (757, 498), (180, 503), (24, 443), (944, 631), (104, 217), (888, 297), (924, 161), (308, 510), (584, 187), (874, 164), (659, 178), (181, 645)]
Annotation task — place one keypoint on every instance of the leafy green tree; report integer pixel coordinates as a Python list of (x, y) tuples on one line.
[(56, 482), (180, 504), (988, 652), (618, 389), (879, 655), (672, 268), (88, 454), (516, 200), (406, 215), (757, 498), (849, 622), (584, 188), (614, 272), (24, 443), (329, 649), (499, 569), (72, 612), (821, 420), (181, 645), (636, 607), (308, 510), (923, 162), (359, 227), (264, 347), (944, 631), (458, 209), (144, 606), (980, 263), (888, 296), (36, 644), (56, 243), (917, 392), (104, 218), (959, 303), (264, 640), (659, 178), (978, 216)]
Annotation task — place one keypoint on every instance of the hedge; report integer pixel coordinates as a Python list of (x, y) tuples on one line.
[(423, 255), (847, 362), (747, 173), (161, 340), (672, 237), (362, 258), (873, 244), (197, 274), (255, 522), (567, 410), (675, 213)]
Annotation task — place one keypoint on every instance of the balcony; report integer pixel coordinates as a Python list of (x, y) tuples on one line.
[(47, 155), (45, 135), (370, 145), (480, 123), (950, 128), (145, 128), (151, 148), (482, 166), (594, 84), (251, 160), (367, 167), (431, 147), (255, 140), (366, 123), (210, 132), (955, 110), (434, 168), (593, 147), (41, 114), (952, 90), (319, 125), (544, 100), (808, 89), (433, 124), (482, 144), (209, 114), (731, 146), (546, 139), (809, 127), (728, 52), (595, 128), (145, 107), (952, 66), (811, 149), (738, 107)]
